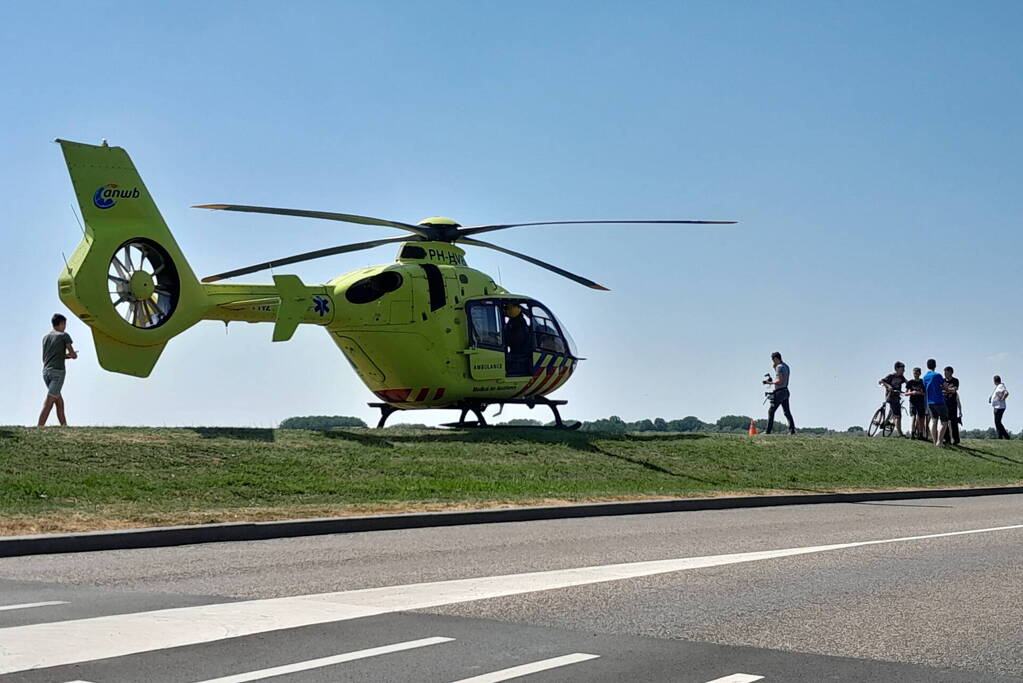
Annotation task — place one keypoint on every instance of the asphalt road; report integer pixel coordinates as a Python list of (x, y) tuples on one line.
[(450, 604)]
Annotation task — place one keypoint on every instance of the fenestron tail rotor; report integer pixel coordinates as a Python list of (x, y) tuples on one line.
[(143, 283), (436, 229)]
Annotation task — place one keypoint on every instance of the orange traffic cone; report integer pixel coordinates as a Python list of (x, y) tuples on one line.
[(753, 427)]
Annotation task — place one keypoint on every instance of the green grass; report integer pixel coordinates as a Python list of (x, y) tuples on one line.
[(84, 478)]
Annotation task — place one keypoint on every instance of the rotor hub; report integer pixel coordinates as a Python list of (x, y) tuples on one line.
[(441, 228), (141, 285)]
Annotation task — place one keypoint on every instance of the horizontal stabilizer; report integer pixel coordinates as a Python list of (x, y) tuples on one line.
[(294, 301)]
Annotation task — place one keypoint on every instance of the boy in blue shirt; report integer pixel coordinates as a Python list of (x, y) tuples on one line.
[(933, 382)]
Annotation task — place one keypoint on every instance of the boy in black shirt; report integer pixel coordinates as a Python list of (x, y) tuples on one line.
[(893, 383), (951, 391), (918, 405)]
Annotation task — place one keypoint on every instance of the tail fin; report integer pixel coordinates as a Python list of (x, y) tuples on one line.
[(128, 279)]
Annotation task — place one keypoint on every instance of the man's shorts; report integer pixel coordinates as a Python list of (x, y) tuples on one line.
[(939, 412), (896, 405), (54, 381), (917, 409)]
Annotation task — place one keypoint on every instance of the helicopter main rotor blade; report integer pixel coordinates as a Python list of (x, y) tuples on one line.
[(537, 262), (308, 256), (326, 215), (476, 229)]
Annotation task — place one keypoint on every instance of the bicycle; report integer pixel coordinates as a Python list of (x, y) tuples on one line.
[(884, 418)]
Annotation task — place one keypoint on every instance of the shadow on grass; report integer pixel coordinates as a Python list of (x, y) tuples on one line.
[(581, 441), (240, 433), (564, 437), (988, 455), (359, 437), (8, 434)]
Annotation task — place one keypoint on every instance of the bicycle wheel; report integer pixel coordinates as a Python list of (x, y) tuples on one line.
[(888, 427), (876, 422)]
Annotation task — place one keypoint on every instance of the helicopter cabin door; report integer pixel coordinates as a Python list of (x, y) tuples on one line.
[(486, 350)]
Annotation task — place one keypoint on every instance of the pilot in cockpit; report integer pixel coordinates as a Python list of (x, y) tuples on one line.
[(518, 340)]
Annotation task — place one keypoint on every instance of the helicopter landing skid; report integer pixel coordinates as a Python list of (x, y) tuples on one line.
[(477, 408)]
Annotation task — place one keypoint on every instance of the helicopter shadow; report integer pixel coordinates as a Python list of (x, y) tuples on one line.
[(359, 437), (581, 441), (239, 433)]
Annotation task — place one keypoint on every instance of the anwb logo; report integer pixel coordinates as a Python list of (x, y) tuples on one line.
[(107, 195)]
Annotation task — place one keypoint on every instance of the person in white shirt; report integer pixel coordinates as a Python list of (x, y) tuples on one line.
[(998, 403)]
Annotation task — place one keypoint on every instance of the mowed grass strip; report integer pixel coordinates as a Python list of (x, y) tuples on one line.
[(58, 479)]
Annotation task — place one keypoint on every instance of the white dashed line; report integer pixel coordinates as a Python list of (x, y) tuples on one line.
[(328, 661), (531, 668), (737, 678), (70, 642), (30, 605)]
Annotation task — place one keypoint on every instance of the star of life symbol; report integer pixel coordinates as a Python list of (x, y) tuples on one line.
[(321, 305)]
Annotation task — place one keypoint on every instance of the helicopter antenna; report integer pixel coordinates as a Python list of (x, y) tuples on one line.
[(66, 264), (77, 220)]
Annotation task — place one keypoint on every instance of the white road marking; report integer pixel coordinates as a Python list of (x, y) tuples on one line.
[(531, 668), (737, 678), (328, 661), (70, 642), (29, 605)]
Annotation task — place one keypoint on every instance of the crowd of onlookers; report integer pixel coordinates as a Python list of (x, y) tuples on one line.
[(934, 404)]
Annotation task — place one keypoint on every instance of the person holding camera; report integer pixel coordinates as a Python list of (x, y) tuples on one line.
[(780, 395), (892, 382)]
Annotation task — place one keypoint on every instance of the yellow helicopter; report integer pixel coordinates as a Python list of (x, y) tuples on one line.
[(426, 331)]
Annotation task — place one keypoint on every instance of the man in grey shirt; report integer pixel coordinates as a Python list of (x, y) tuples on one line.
[(56, 349), (780, 396)]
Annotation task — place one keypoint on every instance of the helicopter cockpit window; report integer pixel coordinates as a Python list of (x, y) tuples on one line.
[(487, 325), (371, 288), (546, 334)]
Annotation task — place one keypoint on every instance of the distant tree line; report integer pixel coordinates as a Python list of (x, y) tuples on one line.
[(728, 424), (322, 422)]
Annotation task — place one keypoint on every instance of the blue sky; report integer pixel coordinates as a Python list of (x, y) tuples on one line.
[(872, 152)]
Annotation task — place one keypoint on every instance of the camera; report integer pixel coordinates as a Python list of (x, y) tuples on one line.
[(768, 379)]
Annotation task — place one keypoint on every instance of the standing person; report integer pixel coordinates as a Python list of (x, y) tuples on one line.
[(780, 395), (997, 401), (893, 382), (935, 402), (56, 349), (950, 390), (917, 405), (518, 341)]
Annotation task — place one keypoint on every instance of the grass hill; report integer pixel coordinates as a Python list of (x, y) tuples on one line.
[(57, 479)]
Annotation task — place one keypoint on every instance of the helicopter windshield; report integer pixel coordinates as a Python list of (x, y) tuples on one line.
[(545, 331), (572, 349)]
